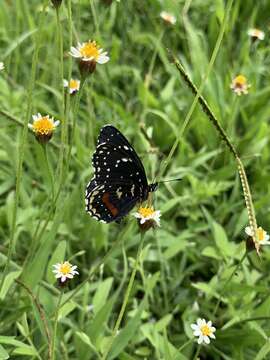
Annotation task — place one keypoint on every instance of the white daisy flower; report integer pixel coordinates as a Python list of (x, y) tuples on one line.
[(73, 85), (43, 127), (203, 330), (147, 217), (168, 17), (65, 271), (89, 51), (2, 66), (240, 85), (262, 235), (256, 34)]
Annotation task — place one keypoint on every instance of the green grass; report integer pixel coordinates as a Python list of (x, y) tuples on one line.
[(191, 267)]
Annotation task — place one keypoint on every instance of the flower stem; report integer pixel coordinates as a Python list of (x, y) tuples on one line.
[(58, 306), (212, 118), (126, 298), (74, 120), (49, 170), (63, 118), (22, 142), (120, 237), (41, 314), (228, 281), (197, 352), (184, 345)]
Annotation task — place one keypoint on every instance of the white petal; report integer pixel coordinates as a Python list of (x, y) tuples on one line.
[(197, 333), (194, 326), (212, 336), (103, 59), (56, 123), (63, 278), (65, 83), (30, 126), (200, 322), (209, 324), (248, 231), (200, 340), (206, 339), (212, 328)]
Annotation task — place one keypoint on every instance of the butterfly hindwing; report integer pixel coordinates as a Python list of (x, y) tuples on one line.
[(109, 203)]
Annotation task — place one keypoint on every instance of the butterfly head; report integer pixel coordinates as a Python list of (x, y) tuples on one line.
[(152, 187)]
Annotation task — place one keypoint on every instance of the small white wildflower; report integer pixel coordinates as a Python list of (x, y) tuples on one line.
[(256, 34), (203, 330), (262, 235), (73, 85), (65, 271), (168, 17)]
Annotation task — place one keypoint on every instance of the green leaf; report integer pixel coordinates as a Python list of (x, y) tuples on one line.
[(8, 282), (101, 294), (263, 351), (3, 354)]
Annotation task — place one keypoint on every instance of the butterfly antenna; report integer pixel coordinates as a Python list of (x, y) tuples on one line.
[(169, 180)]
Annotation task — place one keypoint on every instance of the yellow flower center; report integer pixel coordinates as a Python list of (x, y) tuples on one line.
[(260, 234), (240, 81), (73, 84), (43, 126), (145, 212), (257, 32), (90, 49), (65, 268), (206, 330)]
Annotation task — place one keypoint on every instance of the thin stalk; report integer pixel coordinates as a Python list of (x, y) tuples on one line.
[(199, 91), (228, 281), (74, 120), (126, 298), (120, 238), (184, 345), (36, 236), (213, 119), (63, 119), (22, 142), (49, 169), (41, 314), (58, 306), (197, 352)]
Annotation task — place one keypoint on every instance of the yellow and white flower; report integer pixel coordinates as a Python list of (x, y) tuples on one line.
[(203, 330), (65, 271), (262, 236), (147, 217), (240, 85), (43, 127), (89, 51), (168, 17), (89, 54), (73, 85), (256, 34), (2, 66)]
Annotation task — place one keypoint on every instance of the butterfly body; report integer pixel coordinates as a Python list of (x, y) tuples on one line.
[(119, 181)]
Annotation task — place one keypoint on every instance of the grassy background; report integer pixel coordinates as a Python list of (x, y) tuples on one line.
[(184, 264)]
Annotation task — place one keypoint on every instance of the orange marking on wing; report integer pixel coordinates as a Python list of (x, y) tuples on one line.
[(106, 200)]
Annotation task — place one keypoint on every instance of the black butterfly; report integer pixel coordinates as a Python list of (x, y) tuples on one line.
[(119, 181)]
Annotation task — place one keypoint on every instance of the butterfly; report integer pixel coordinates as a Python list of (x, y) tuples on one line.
[(119, 181)]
